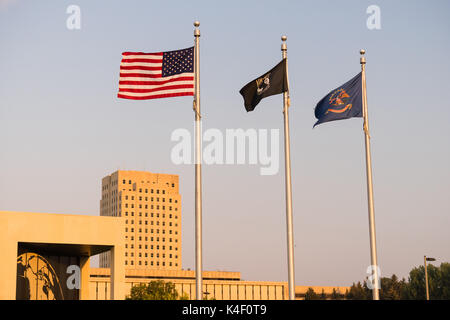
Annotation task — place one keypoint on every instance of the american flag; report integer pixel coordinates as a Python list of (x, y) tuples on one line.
[(156, 75)]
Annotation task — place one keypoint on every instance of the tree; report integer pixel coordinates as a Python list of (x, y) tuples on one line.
[(392, 288), (358, 292), (311, 295), (445, 280), (336, 295), (414, 289), (155, 290), (438, 282)]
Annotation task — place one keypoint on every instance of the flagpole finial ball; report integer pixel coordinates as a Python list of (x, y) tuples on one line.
[(362, 51), (283, 38), (196, 23)]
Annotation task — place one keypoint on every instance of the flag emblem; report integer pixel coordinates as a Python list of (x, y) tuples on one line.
[(156, 75), (338, 100), (341, 103), (262, 84)]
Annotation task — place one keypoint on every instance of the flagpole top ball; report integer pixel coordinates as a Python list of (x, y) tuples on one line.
[(196, 23), (283, 38), (362, 59)]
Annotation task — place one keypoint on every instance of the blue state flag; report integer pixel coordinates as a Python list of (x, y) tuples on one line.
[(341, 103)]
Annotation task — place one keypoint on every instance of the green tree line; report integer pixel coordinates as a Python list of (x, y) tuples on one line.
[(395, 289)]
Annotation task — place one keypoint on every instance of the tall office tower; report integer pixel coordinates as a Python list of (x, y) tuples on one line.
[(149, 205)]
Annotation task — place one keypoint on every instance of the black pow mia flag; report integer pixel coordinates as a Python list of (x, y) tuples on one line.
[(270, 83)]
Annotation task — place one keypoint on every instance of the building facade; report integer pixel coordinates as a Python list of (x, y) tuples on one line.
[(218, 285), (149, 205), (47, 256)]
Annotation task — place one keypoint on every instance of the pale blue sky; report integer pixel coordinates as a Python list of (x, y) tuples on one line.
[(62, 128)]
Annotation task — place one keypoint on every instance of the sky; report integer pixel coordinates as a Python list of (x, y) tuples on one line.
[(62, 127)]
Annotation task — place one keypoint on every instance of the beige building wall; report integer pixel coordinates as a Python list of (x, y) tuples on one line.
[(219, 285), (84, 232), (149, 205)]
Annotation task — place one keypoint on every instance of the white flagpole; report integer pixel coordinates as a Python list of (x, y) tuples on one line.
[(198, 168), (287, 157), (372, 233)]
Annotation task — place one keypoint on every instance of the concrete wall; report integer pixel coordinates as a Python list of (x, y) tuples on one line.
[(46, 228)]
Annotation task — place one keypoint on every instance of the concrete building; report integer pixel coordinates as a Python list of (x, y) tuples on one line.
[(219, 285), (47, 256), (149, 205)]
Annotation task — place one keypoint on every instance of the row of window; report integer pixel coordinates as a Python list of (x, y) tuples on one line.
[(151, 239), (152, 215), (146, 190), (151, 207), (151, 199), (151, 231), (151, 263), (163, 255), (163, 223), (151, 247)]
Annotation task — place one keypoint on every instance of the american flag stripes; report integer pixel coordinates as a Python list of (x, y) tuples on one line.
[(156, 75)]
